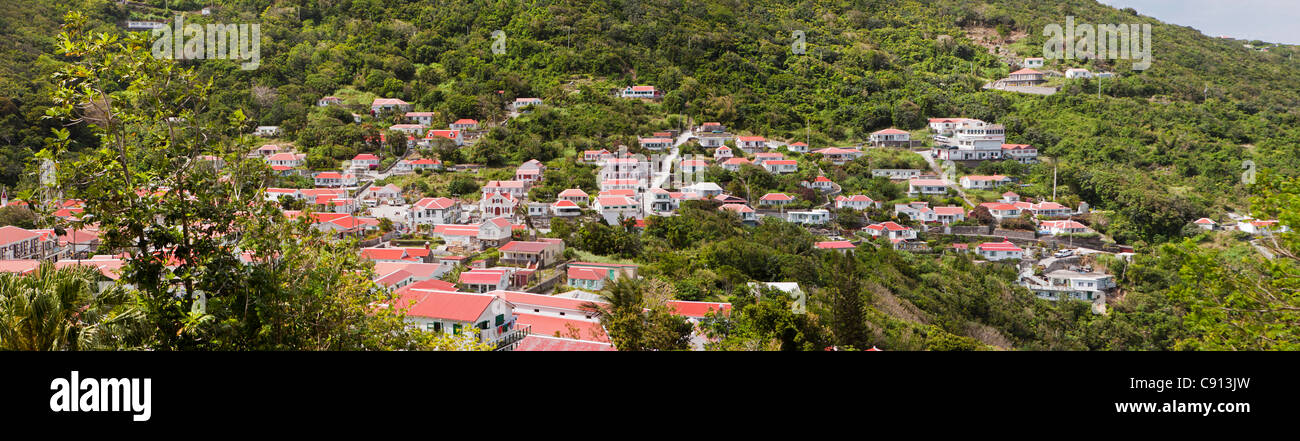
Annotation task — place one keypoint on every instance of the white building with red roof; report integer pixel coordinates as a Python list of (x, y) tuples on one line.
[(613, 208), (20, 244), (434, 211), (575, 195), (655, 143), (1044, 209), (530, 172), (290, 160), (1261, 227), (538, 342), (838, 155), (498, 204), (521, 104), (816, 216), (722, 153), (781, 166), (746, 214), (693, 166), (1024, 77), (856, 202), (950, 214), (775, 199), (821, 183), (734, 164), (455, 136), (891, 231), (389, 104), (335, 179), (365, 161), (1055, 227), (517, 189), (983, 182), (890, 137), (1022, 153), (536, 254), (1004, 250), (464, 124), (1001, 210), (751, 144), (641, 92), (1206, 223), (565, 208), (458, 312), (926, 187), (800, 147)]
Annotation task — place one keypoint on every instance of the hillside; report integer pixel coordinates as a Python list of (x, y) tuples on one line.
[(1153, 150)]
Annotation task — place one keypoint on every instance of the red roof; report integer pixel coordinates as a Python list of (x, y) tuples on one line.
[(572, 193), (889, 131), (461, 307), (750, 138), (888, 226), (482, 277), (10, 234), (519, 246), (384, 253), (393, 278), (1204, 220), (775, 197), (1015, 146), (588, 330), (436, 203), (365, 157), (431, 285), (535, 342), (821, 179), (698, 309), (835, 245), (584, 274), (999, 246), (465, 121), (523, 300), (1026, 71)]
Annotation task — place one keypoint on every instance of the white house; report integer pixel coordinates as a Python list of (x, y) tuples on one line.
[(458, 312), (800, 147), (926, 186), (746, 214), (1001, 210), (517, 189), (839, 156), (1066, 284), (641, 92), (656, 143), (365, 161), (856, 202), (424, 119), (464, 124), (612, 208), (1022, 153), (971, 140), (1032, 62), (435, 211), (891, 231), (811, 217), (389, 104), (335, 179), (575, 195), (775, 199), (751, 144), (267, 131), (498, 204), (522, 103), (896, 173), (995, 251), (781, 166), (1077, 73), (722, 153), (890, 137), (982, 182), (734, 164), (1055, 227)]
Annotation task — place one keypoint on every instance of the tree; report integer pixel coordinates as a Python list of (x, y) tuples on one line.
[(638, 317), (845, 300), (65, 309)]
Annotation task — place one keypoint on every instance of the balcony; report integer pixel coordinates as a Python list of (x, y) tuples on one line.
[(510, 340)]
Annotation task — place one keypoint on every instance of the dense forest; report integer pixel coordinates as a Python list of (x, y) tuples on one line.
[(1154, 149)]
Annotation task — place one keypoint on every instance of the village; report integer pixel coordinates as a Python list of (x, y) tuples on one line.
[(481, 260)]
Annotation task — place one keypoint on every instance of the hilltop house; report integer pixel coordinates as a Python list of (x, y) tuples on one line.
[(389, 104), (751, 144), (995, 251), (434, 211), (926, 187), (890, 137), (856, 202), (641, 92)]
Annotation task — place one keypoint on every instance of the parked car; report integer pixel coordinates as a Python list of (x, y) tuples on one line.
[(1063, 253)]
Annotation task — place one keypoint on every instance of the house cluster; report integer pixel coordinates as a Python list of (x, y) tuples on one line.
[(967, 139)]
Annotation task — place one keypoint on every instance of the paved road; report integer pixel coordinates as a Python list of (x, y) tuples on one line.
[(954, 185), (666, 168)]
